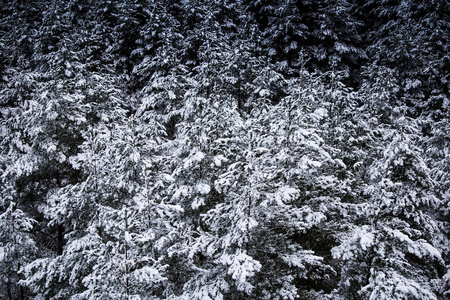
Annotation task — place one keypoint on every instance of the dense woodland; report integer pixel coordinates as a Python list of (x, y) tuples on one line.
[(234, 149)]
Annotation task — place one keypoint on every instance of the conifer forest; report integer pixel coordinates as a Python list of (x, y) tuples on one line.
[(224, 149)]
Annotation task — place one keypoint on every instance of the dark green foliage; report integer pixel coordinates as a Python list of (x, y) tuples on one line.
[(412, 38), (325, 31)]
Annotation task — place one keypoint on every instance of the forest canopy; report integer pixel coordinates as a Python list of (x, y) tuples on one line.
[(236, 149)]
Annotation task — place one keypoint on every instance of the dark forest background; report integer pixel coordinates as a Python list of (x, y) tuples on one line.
[(228, 149)]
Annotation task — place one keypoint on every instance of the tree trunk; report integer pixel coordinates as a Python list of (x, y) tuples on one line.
[(60, 239)]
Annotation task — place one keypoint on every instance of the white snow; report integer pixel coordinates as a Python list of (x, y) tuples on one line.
[(203, 188), (366, 240), (148, 274), (168, 178), (218, 159), (419, 248), (182, 191), (241, 267), (320, 113), (197, 203), (198, 156), (127, 236)]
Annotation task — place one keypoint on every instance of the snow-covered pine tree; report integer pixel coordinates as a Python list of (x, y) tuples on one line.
[(325, 30), (17, 245), (180, 150), (118, 218), (399, 245), (420, 62)]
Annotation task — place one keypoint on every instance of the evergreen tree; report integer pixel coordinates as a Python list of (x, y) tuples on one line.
[(399, 246), (17, 246), (324, 30), (224, 149), (410, 37)]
